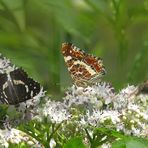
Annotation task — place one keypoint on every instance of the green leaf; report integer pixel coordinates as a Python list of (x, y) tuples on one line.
[(74, 143), (20, 145), (135, 144), (16, 9), (109, 132), (131, 142), (3, 110), (119, 144)]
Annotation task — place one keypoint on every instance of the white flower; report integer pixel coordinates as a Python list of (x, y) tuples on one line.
[(114, 116), (105, 90), (106, 145), (120, 126), (16, 136), (135, 131), (56, 112), (52, 143), (97, 117), (133, 107), (5, 65), (144, 133), (143, 98), (125, 96), (144, 115), (3, 142), (98, 94), (125, 111), (91, 118)]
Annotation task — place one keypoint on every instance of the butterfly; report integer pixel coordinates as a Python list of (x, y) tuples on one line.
[(85, 69), (17, 87)]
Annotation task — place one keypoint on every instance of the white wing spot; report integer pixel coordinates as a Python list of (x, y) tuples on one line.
[(88, 68), (27, 89), (67, 58)]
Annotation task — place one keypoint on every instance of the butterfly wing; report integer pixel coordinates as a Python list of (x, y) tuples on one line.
[(84, 68), (3, 96), (7, 93), (24, 87)]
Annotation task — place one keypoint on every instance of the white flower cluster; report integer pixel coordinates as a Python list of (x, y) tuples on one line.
[(5, 65), (97, 117), (99, 94), (15, 136), (124, 97), (56, 112), (124, 111)]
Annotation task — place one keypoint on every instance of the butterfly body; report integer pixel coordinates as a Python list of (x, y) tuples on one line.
[(85, 69)]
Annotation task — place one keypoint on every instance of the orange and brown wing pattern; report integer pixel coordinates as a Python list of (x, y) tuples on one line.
[(84, 68)]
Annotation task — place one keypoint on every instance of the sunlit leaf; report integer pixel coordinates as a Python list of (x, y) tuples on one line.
[(74, 143)]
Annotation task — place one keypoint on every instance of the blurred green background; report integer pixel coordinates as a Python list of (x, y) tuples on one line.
[(31, 33)]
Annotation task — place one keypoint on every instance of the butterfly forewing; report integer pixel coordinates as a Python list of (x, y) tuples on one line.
[(25, 87), (17, 87), (84, 68)]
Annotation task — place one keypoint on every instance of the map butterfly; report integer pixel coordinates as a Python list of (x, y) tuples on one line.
[(17, 87), (85, 69)]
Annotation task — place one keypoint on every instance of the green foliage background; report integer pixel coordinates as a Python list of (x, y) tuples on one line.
[(31, 33)]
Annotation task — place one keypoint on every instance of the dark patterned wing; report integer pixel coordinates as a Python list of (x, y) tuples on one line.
[(3, 80), (25, 88)]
